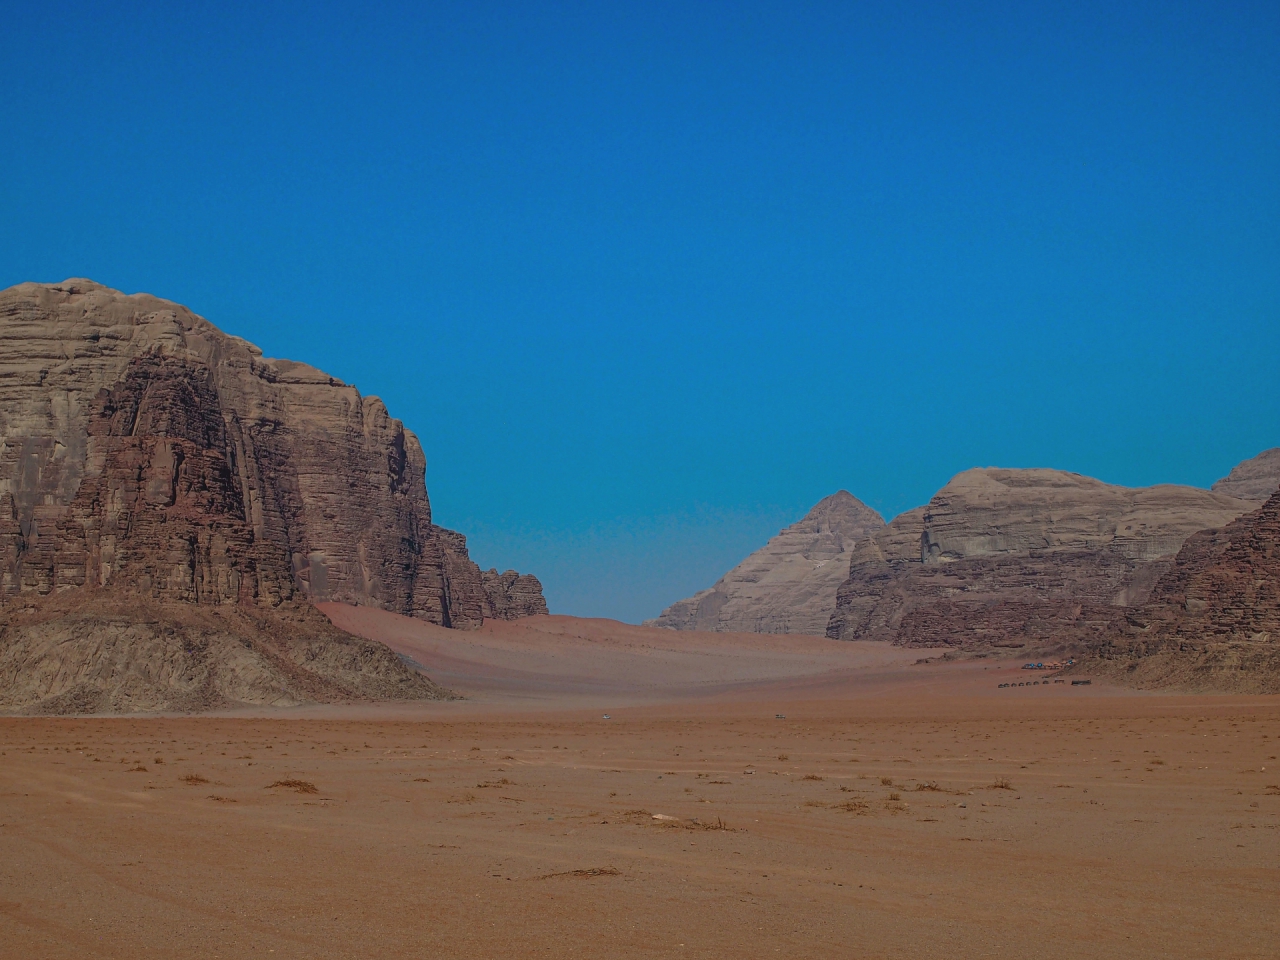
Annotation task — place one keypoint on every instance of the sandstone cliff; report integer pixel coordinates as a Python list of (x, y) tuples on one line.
[(170, 502), (1254, 479), (1006, 558), (788, 585), (1213, 620), (141, 445)]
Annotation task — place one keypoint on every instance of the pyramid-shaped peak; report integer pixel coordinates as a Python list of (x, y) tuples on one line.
[(842, 509)]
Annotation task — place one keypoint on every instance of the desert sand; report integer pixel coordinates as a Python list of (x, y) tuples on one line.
[(747, 796)]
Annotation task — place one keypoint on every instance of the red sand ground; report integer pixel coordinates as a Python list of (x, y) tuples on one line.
[(872, 820)]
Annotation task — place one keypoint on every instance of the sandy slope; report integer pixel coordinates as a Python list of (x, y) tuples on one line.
[(894, 810), (570, 660)]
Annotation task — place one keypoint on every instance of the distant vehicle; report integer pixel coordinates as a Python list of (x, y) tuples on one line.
[(1081, 683)]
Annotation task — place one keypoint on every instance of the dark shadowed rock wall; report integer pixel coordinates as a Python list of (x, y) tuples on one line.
[(1213, 620)]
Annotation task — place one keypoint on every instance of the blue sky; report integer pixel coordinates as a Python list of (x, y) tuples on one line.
[(649, 280)]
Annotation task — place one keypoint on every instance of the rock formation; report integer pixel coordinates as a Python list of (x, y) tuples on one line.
[(788, 585), (108, 651), (150, 462), (1006, 558), (1254, 479), (1213, 620), (141, 445)]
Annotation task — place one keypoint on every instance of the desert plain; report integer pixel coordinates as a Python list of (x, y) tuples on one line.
[(611, 790)]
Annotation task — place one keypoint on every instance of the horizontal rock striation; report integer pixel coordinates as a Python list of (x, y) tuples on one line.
[(788, 585), (1213, 620), (1005, 558), (142, 447)]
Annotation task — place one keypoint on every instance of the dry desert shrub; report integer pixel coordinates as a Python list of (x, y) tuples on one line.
[(696, 824), (854, 806), (301, 786), (138, 769), (811, 776), (1001, 784), (931, 785), (895, 796), (886, 781), (592, 872), (784, 757), (194, 779)]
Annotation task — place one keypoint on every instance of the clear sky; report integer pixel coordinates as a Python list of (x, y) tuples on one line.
[(648, 280)]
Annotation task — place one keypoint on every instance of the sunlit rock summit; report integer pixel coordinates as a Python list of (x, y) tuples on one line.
[(788, 585)]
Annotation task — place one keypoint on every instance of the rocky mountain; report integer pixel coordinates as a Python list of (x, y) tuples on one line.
[(139, 443), (1213, 620), (1254, 479), (788, 585), (1007, 558), (146, 455)]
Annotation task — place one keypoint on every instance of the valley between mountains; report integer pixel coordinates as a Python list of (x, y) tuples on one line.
[(255, 702)]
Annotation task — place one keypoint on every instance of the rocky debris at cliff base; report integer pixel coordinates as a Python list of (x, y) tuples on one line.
[(93, 652), (1209, 667)]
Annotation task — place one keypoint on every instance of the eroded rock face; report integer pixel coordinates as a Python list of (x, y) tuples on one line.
[(142, 449), (788, 585), (1213, 620), (1255, 479), (475, 594), (1002, 558)]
